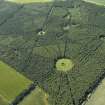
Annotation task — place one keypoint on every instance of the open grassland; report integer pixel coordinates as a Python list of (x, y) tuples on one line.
[(11, 83), (98, 97), (98, 2), (29, 1), (37, 97)]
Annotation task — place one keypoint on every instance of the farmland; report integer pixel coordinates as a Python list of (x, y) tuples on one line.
[(34, 36), (37, 97), (98, 96), (11, 83), (3, 101), (99, 2), (28, 1)]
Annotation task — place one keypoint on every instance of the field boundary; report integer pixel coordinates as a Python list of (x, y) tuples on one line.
[(24, 94), (94, 2), (92, 88)]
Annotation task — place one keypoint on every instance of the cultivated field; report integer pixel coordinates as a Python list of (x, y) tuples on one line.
[(72, 29), (37, 97), (11, 83), (29, 1), (99, 2), (3, 101), (98, 97)]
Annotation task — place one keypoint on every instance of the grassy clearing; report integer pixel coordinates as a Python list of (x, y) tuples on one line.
[(98, 2), (11, 82), (29, 1), (98, 97), (37, 97), (64, 65)]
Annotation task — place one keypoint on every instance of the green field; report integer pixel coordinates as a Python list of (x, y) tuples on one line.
[(3, 101), (37, 97), (29, 1), (36, 55), (98, 96), (99, 2), (11, 83)]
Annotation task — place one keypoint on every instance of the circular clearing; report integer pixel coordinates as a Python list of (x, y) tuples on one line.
[(64, 65)]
